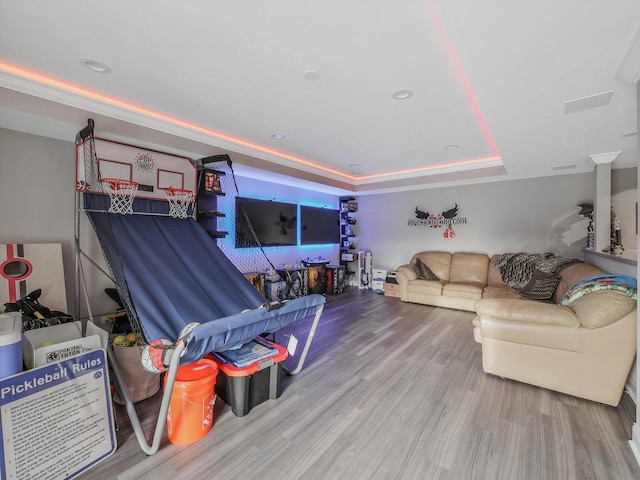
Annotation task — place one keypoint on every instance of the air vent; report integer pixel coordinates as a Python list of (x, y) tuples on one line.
[(564, 167), (584, 103)]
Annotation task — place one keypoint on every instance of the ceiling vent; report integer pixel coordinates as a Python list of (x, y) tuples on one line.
[(584, 103)]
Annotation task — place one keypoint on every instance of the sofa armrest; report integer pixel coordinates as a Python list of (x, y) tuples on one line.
[(528, 311), (405, 273)]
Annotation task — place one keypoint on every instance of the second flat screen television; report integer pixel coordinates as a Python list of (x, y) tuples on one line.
[(319, 226)]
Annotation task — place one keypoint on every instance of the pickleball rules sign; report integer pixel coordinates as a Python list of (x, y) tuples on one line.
[(56, 421)]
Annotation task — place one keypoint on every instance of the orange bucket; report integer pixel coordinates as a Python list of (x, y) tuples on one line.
[(190, 414)]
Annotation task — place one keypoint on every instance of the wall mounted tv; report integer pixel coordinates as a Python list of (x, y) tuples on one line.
[(319, 226), (274, 223)]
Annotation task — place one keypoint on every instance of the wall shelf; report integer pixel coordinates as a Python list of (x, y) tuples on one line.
[(348, 207), (209, 190)]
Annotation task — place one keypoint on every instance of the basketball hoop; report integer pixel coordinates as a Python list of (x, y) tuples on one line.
[(121, 192), (179, 200)]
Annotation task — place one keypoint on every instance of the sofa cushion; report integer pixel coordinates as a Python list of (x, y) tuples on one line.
[(541, 286), (423, 271), (493, 275), (438, 262), (469, 267), (602, 308), (527, 311), (523, 337), (428, 287), (469, 290), (500, 291)]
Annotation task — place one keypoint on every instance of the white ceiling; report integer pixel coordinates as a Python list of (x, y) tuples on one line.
[(204, 77)]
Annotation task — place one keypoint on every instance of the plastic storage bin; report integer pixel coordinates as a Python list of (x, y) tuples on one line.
[(10, 344), (242, 388)]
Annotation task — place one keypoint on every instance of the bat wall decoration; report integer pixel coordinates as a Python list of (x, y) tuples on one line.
[(446, 220)]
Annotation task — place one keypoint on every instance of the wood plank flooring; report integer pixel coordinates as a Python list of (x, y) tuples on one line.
[(393, 390)]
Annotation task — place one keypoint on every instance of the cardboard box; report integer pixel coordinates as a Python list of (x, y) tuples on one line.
[(257, 280), (391, 286), (317, 275), (297, 281), (275, 290), (391, 290), (335, 279), (67, 339)]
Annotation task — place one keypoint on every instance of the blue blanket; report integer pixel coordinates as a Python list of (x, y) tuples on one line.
[(607, 281)]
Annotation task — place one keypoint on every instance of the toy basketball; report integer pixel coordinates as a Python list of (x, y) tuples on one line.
[(157, 356)]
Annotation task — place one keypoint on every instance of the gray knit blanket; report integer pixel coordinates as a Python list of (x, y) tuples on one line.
[(516, 269)]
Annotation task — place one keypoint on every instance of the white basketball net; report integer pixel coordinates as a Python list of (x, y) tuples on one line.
[(179, 201), (121, 193)]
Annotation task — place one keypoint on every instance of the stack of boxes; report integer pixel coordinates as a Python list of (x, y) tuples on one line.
[(378, 277), (391, 287)]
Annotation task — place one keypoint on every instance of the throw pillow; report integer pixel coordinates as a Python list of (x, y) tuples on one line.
[(541, 286), (424, 272)]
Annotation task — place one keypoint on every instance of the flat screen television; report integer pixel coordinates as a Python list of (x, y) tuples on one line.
[(273, 224), (319, 226)]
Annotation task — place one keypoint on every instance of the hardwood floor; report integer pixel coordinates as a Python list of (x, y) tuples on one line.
[(393, 390)]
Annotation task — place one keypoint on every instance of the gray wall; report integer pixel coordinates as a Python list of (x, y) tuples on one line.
[(36, 187), (536, 216)]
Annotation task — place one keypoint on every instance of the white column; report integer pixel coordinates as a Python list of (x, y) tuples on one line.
[(602, 200), (635, 431)]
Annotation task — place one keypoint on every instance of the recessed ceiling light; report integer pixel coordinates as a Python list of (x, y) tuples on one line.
[(451, 147), (402, 94), (311, 75), (95, 65), (277, 136)]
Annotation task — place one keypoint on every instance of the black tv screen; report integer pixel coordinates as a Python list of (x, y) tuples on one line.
[(271, 223), (319, 226)]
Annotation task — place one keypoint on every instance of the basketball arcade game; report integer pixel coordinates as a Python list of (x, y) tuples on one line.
[(181, 293)]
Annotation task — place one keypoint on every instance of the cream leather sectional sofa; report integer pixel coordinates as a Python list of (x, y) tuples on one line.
[(584, 349)]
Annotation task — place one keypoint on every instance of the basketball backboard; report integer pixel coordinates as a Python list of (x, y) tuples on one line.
[(151, 169)]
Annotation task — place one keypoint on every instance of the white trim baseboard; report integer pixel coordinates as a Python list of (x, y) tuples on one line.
[(634, 443), (632, 386)]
